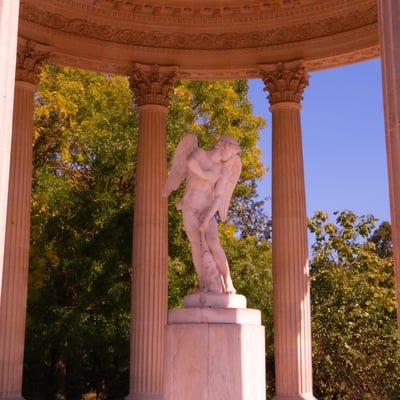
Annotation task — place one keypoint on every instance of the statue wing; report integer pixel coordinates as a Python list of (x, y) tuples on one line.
[(234, 166), (178, 168)]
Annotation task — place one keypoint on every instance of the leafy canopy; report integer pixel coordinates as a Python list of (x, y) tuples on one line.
[(84, 147), (356, 354)]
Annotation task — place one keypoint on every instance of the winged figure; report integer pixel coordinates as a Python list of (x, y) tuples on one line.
[(211, 176)]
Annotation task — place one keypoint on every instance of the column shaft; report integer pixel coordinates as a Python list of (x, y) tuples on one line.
[(389, 26), (16, 254), (150, 256), (9, 10), (292, 324), (149, 306), (291, 291)]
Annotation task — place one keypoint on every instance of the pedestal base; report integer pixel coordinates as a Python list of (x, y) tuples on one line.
[(214, 300), (214, 353), (144, 396), (294, 397)]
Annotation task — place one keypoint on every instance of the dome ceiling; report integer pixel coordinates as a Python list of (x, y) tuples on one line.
[(201, 39)]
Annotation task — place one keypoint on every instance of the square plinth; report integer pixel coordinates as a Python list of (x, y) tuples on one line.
[(214, 360)]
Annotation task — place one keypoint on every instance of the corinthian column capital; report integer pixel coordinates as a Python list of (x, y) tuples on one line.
[(29, 59), (285, 83), (151, 84)]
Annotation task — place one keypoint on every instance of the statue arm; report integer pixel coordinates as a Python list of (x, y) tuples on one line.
[(233, 168), (185, 148), (218, 198), (194, 166)]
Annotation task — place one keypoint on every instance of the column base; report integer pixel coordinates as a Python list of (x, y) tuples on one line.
[(12, 397), (143, 396), (214, 300), (214, 353), (294, 397)]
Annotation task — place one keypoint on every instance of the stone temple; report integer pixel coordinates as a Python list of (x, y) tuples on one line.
[(155, 42)]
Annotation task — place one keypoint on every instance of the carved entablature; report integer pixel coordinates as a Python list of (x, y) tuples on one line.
[(151, 84), (207, 39), (285, 83), (206, 10), (264, 24), (344, 59), (29, 60), (196, 9)]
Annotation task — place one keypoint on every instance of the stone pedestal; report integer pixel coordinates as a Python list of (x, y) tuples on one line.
[(214, 353)]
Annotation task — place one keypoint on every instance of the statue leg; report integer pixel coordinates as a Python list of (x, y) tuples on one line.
[(219, 255), (191, 225)]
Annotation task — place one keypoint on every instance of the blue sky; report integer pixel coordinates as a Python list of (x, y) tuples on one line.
[(343, 140)]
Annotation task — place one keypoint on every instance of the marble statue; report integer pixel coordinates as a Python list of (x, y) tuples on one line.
[(211, 176)]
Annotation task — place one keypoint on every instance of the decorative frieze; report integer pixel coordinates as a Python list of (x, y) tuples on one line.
[(285, 83), (238, 9), (277, 29), (151, 84), (344, 59)]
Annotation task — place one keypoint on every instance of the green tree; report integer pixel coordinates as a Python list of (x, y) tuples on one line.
[(355, 349), (83, 184), (78, 303), (382, 238)]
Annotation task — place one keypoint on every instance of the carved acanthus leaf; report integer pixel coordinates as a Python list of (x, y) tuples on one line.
[(285, 83), (29, 60), (151, 85)]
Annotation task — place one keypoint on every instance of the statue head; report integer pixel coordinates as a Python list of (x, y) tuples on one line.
[(228, 146), (227, 139)]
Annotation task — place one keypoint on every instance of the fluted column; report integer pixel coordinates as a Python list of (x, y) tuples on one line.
[(291, 293), (8, 49), (389, 29), (16, 250), (149, 306)]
